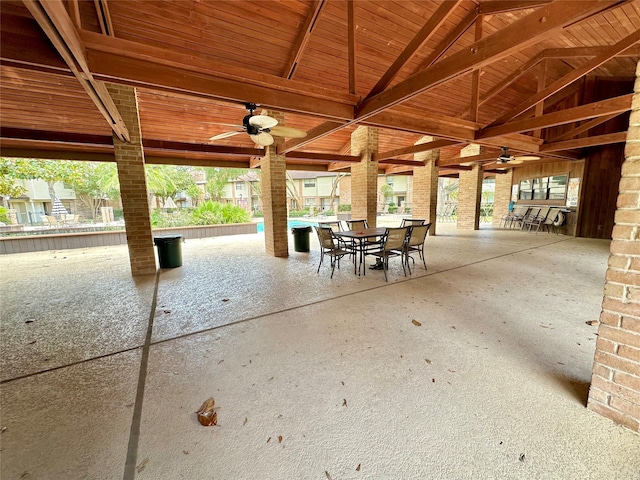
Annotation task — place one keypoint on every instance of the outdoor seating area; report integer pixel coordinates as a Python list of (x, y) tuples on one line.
[(534, 218)]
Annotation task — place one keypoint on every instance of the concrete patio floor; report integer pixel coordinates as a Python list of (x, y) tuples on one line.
[(313, 377)]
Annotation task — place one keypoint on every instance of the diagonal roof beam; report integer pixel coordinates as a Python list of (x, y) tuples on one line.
[(619, 137), (451, 38), (583, 112), (518, 35), (585, 127), (104, 17), (351, 44), (303, 39), (577, 52), (54, 20), (322, 130), (423, 36), (422, 147), (502, 6), (572, 76)]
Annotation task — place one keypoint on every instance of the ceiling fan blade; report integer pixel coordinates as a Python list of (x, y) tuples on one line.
[(262, 121), (515, 161), (263, 139), (225, 135), (290, 132), (527, 157)]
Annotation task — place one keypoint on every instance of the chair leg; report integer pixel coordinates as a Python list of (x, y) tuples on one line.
[(385, 267), (320, 264)]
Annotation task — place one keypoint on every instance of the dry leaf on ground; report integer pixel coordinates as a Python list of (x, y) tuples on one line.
[(206, 415), (358, 468), (592, 322), (416, 323), (143, 464)]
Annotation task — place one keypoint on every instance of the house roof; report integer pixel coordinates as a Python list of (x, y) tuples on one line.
[(459, 71)]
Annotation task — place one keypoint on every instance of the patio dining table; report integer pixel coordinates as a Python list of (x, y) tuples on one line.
[(361, 236)]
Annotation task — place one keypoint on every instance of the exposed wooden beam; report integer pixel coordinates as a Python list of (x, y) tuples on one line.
[(104, 17), (337, 166), (351, 44), (539, 107), (201, 148), (74, 13), (422, 147), (254, 162), (119, 60), (516, 36), (322, 130), (502, 6), (585, 127), (451, 38), (398, 161), (303, 39), (398, 169), (475, 77), (483, 157), (609, 138), (325, 157), (572, 76), (428, 125), (577, 52), (459, 167), (55, 22), (583, 112), (420, 38), (346, 148)]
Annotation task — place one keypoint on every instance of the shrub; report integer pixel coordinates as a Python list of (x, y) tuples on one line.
[(298, 213), (258, 214), (118, 214), (392, 208), (344, 207), (4, 218), (214, 213)]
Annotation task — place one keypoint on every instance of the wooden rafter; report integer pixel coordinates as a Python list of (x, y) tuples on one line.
[(303, 39), (420, 38), (351, 44), (585, 127), (518, 35), (572, 76), (322, 130), (619, 137), (483, 157), (475, 76), (422, 147), (577, 52), (597, 109), (57, 25), (502, 6), (104, 17)]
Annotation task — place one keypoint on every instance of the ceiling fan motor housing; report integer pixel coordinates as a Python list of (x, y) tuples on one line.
[(251, 129)]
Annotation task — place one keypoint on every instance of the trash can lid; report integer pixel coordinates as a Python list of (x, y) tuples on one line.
[(300, 229), (166, 239)]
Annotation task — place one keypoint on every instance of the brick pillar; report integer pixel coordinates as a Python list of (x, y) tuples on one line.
[(364, 175), (502, 196), (133, 183), (425, 185), (274, 196), (470, 192), (615, 381)]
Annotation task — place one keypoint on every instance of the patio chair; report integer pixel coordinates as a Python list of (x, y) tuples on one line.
[(415, 243), (357, 224), (336, 226), (393, 244), (555, 218), (531, 214), (537, 219), (513, 217), (329, 246), (408, 222)]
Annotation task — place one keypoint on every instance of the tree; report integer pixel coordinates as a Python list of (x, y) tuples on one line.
[(98, 183), (334, 188), (293, 191), (386, 191), (217, 179), (8, 187), (165, 181)]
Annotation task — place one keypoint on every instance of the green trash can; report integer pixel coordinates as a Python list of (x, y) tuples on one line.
[(169, 250), (301, 238)]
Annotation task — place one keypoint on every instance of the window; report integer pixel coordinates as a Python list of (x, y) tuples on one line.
[(390, 181), (544, 188), (310, 182), (239, 186)]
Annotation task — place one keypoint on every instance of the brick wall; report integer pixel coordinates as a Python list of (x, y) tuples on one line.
[(274, 196), (425, 185), (470, 192), (364, 175), (133, 184), (502, 196), (615, 382)]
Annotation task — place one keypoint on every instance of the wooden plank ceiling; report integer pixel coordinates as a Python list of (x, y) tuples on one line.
[(494, 72)]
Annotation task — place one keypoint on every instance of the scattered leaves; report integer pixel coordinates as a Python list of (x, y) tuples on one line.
[(167, 311), (225, 299), (31, 343), (522, 457), (245, 421), (206, 415), (433, 380), (592, 322), (221, 361), (3, 429), (428, 361), (186, 452), (344, 402), (31, 320), (327, 474), (268, 439), (143, 464), (279, 438), (416, 323), (358, 468), (453, 326), (342, 383)]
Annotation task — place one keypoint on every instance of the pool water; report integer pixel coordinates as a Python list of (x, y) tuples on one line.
[(290, 224)]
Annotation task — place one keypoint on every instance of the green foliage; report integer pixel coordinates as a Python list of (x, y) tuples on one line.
[(298, 213), (392, 207), (258, 213), (387, 192), (346, 207), (4, 218), (328, 213), (214, 213), (217, 179), (179, 218)]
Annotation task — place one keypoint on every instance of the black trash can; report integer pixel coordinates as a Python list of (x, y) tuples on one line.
[(169, 250), (301, 238)]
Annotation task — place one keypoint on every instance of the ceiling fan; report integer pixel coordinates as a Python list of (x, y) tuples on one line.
[(261, 128), (504, 157)]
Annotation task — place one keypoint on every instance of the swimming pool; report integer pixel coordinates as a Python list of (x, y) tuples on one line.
[(290, 224)]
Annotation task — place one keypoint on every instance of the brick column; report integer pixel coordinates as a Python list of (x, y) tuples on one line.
[(470, 192), (133, 183), (425, 185), (274, 196), (502, 196), (615, 381), (364, 175)]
